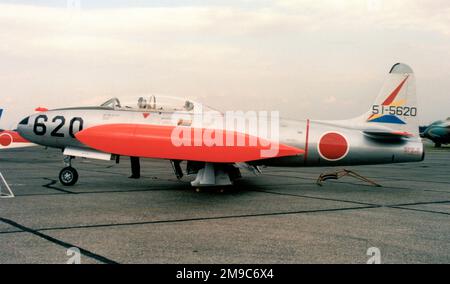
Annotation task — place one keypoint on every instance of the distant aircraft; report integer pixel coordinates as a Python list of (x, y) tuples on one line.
[(438, 132), (11, 139), (386, 133)]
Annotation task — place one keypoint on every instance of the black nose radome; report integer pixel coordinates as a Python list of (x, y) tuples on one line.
[(24, 121)]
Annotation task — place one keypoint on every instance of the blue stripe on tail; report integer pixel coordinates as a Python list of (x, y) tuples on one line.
[(388, 119)]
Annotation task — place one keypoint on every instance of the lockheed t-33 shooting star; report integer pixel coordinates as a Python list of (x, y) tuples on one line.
[(386, 133)]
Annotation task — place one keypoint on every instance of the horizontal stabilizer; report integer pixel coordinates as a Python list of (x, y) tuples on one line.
[(383, 134)]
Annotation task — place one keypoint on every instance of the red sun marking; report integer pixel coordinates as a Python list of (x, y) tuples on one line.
[(5, 139), (333, 146), (146, 114)]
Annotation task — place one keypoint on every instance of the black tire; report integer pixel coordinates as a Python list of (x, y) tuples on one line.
[(68, 176), (437, 145)]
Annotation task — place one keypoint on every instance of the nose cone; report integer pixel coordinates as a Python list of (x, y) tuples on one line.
[(23, 127), (23, 122)]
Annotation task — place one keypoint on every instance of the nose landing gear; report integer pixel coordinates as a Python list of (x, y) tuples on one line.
[(68, 176)]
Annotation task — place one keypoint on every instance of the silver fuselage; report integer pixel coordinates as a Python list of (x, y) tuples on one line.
[(57, 128)]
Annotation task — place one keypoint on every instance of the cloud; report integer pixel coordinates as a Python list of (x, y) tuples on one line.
[(330, 100), (356, 14), (127, 30)]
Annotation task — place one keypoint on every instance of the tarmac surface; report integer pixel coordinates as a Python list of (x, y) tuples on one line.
[(281, 216)]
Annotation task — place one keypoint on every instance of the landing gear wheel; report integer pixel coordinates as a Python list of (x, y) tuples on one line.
[(68, 176)]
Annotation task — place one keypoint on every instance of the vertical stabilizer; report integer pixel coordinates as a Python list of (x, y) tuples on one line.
[(396, 105)]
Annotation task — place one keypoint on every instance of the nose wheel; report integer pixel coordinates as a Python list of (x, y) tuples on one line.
[(68, 176)]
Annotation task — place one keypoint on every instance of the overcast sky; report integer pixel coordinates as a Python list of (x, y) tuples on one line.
[(306, 58)]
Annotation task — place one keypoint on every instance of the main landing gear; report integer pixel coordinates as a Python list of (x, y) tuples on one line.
[(68, 176)]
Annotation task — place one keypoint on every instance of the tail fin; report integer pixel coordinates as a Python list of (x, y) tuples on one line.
[(396, 105)]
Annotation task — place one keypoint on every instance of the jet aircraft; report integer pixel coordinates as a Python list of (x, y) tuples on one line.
[(438, 132), (147, 128), (11, 139)]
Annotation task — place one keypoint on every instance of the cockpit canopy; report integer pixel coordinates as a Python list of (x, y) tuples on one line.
[(441, 123), (154, 103)]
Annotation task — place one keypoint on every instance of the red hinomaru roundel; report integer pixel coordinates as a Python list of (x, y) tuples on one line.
[(5, 139), (333, 146)]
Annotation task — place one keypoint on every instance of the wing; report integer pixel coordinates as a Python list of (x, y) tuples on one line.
[(11, 139), (157, 141)]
